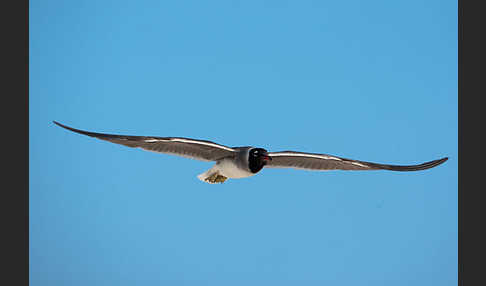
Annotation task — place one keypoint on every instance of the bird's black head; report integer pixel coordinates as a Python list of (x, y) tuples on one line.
[(257, 158)]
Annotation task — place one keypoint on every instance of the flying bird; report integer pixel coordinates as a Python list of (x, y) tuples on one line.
[(241, 162)]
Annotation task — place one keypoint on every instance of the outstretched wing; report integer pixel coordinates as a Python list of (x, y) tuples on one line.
[(191, 148), (311, 161)]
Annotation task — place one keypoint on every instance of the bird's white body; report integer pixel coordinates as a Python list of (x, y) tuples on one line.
[(226, 168)]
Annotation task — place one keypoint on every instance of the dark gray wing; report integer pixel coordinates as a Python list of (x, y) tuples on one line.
[(186, 147), (310, 161)]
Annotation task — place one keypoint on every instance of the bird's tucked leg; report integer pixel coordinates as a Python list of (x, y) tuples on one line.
[(215, 178), (212, 176)]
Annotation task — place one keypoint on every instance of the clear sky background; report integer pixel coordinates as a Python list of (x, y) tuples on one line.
[(367, 80)]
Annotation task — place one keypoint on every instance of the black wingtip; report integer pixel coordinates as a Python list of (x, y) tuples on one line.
[(443, 160), (437, 162), (65, 127), (102, 136), (92, 134), (57, 123), (423, 166)]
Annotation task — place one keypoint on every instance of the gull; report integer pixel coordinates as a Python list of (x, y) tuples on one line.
[(245, 161)]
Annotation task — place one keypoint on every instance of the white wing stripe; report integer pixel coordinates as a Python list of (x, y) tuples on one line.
[(305, 155), (358, 164), (192, 142)]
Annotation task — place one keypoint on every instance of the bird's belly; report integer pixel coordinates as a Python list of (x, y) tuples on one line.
[(229, 169)]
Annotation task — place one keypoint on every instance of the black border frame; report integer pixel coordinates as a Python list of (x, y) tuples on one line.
[(15, 210), (15, 174), (471, 50)]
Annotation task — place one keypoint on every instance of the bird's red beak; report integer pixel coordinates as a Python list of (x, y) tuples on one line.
[(267, 158)]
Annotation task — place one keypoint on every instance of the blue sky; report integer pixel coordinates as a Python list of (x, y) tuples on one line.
[(367, 80)]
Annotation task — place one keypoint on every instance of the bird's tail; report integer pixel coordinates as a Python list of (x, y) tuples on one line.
[(205, 175)]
